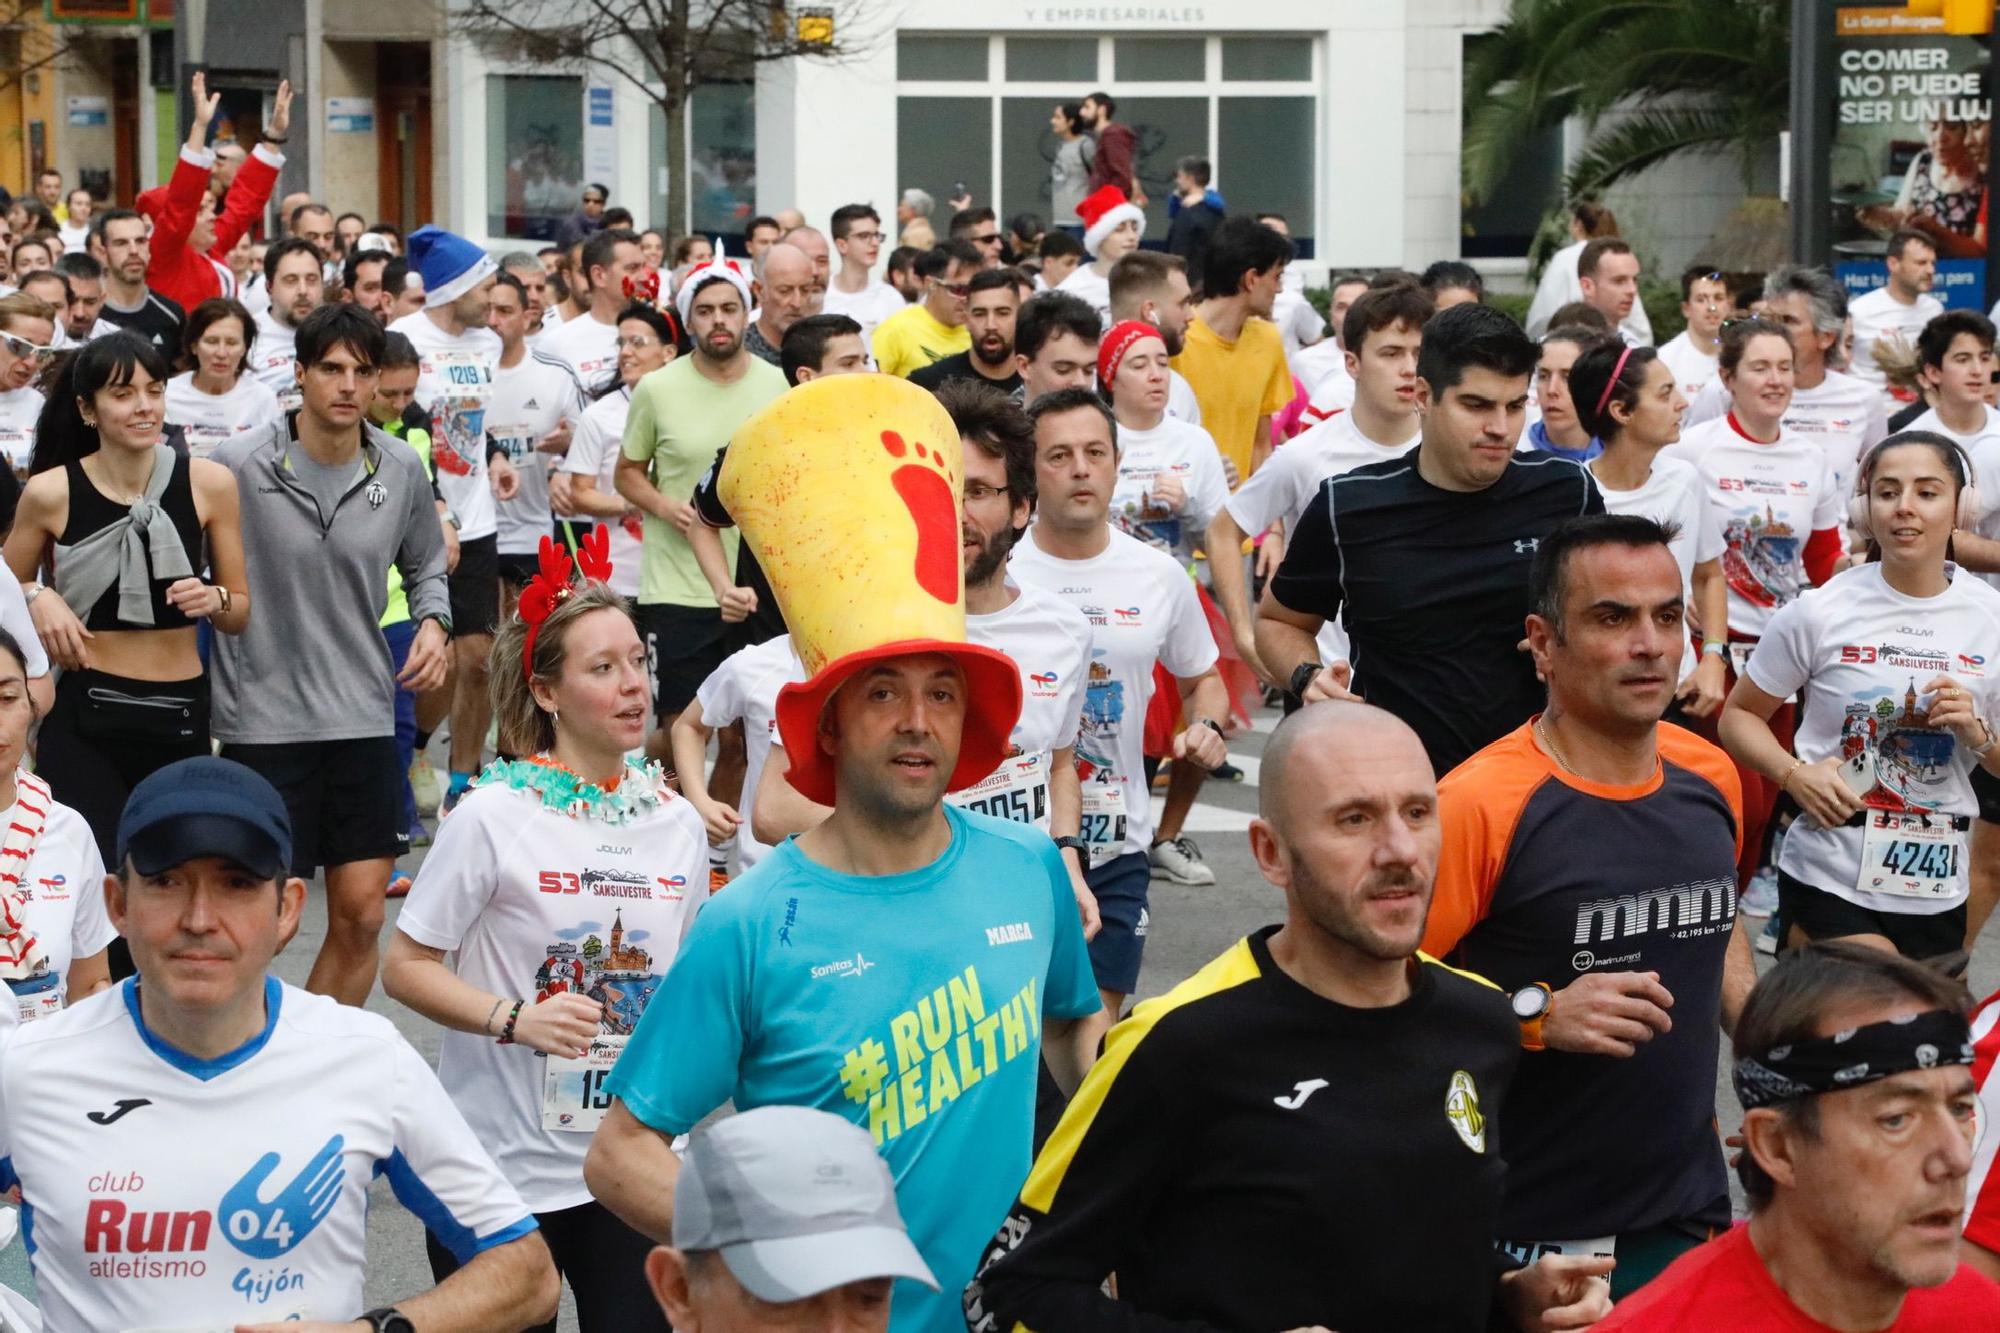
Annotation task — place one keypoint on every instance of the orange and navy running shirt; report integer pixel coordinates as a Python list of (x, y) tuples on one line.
[(1545, 877)]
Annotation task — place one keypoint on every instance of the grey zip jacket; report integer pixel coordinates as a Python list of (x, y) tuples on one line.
[(312, 665)]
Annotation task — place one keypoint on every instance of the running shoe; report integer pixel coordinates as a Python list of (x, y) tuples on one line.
[(424, 786), (718, 878), (1227, 773), (451, 800), (1180, 861), (420, 835), (1767, 938), (399, 884), (1761, 898)]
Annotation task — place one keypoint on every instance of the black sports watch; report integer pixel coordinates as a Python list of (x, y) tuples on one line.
[(1075, 844), (1302, 676), (389, 1319)]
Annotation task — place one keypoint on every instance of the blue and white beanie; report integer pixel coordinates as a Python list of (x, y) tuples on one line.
[(451, 265)]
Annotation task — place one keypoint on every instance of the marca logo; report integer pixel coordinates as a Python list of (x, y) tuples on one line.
[(1017, 933)]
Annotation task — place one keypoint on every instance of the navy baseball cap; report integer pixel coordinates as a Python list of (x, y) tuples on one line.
[(205, 807)]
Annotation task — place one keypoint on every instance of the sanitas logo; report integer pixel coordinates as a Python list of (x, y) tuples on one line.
[(845, 967)]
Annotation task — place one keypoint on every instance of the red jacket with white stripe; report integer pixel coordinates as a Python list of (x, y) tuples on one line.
[(177, 270)]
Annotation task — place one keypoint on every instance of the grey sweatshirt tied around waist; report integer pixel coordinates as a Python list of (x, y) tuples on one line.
[(118, 551)]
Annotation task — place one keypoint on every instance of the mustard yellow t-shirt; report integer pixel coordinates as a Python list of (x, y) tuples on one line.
[(1236, 383), (912, 338)]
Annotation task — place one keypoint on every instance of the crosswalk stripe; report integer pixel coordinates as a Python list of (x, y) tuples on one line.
[(1205, 818)]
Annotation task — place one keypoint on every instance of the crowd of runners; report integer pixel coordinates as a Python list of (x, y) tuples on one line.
[(826, 645)]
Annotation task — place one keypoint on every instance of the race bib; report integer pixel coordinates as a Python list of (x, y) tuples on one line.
[(573, 1096), (205, 440), (1017, 790), (1912, 855), (17, 447), (1103, 820), (1739, 663), (1528, 1251)]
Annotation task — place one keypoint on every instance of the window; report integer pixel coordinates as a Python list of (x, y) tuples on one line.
[(1167, 129), (943, 143), (1267, 144), (1046, 59), (940, 59), (534, 154), (1159, 59), (992, 131), (1263, 59), (1504, 225), (722, 160)]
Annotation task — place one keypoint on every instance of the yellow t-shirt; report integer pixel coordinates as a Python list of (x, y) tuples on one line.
[(912, 338), (1236, 383)]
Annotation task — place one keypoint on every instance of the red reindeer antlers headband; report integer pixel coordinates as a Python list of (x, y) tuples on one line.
[(551, 586)]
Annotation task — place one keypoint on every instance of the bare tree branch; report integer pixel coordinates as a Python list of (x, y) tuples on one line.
[(59, 40)]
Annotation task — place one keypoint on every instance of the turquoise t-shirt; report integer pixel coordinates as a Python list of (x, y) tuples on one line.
[(910, 1004)]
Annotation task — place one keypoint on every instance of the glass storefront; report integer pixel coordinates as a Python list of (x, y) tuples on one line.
[(976, 110)]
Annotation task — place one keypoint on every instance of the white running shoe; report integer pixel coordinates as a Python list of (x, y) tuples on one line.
[(424, 786), (1180, 861)]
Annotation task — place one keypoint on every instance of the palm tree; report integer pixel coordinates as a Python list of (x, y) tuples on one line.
[(1681, 76)]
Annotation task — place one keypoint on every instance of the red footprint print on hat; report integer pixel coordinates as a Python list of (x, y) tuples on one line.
[(926, 493)]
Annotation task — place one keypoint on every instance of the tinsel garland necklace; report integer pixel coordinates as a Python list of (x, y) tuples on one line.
[(636, 793)]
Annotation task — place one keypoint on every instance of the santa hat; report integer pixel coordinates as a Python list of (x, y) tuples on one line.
[(1102, 213), (719, 269), (847, 488), (451, 265)]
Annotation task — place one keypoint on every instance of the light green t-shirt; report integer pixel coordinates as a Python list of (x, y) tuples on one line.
[(679, 419)]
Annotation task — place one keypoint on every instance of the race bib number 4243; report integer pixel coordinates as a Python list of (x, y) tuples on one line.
[(1912, 855)]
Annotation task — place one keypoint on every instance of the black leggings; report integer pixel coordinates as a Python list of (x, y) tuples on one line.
[(93, 774), (602, 1260)]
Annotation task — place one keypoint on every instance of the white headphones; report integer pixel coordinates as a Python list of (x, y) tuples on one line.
[(1970, 510)]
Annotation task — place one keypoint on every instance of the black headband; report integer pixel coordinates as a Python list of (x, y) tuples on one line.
[(1848, 1059)]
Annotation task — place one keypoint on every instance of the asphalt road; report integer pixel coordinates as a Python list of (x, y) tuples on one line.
[(1189, 927)]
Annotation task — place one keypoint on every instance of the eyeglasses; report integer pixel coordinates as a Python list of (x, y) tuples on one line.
[(978, 492), (637, 341), (26, 350), (961, 290), (866, 237)]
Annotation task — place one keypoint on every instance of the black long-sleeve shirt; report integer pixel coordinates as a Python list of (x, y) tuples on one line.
[(1249, 1155)]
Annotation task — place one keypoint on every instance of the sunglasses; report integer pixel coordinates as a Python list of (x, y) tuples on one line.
[(961, 290), (21, 347), (991, 238)]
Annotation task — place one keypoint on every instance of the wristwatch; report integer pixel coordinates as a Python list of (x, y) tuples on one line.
[(1302, 676), (1211, 724), (1075, 844), (34, 590), (1531, 1005), (389, 1319)]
